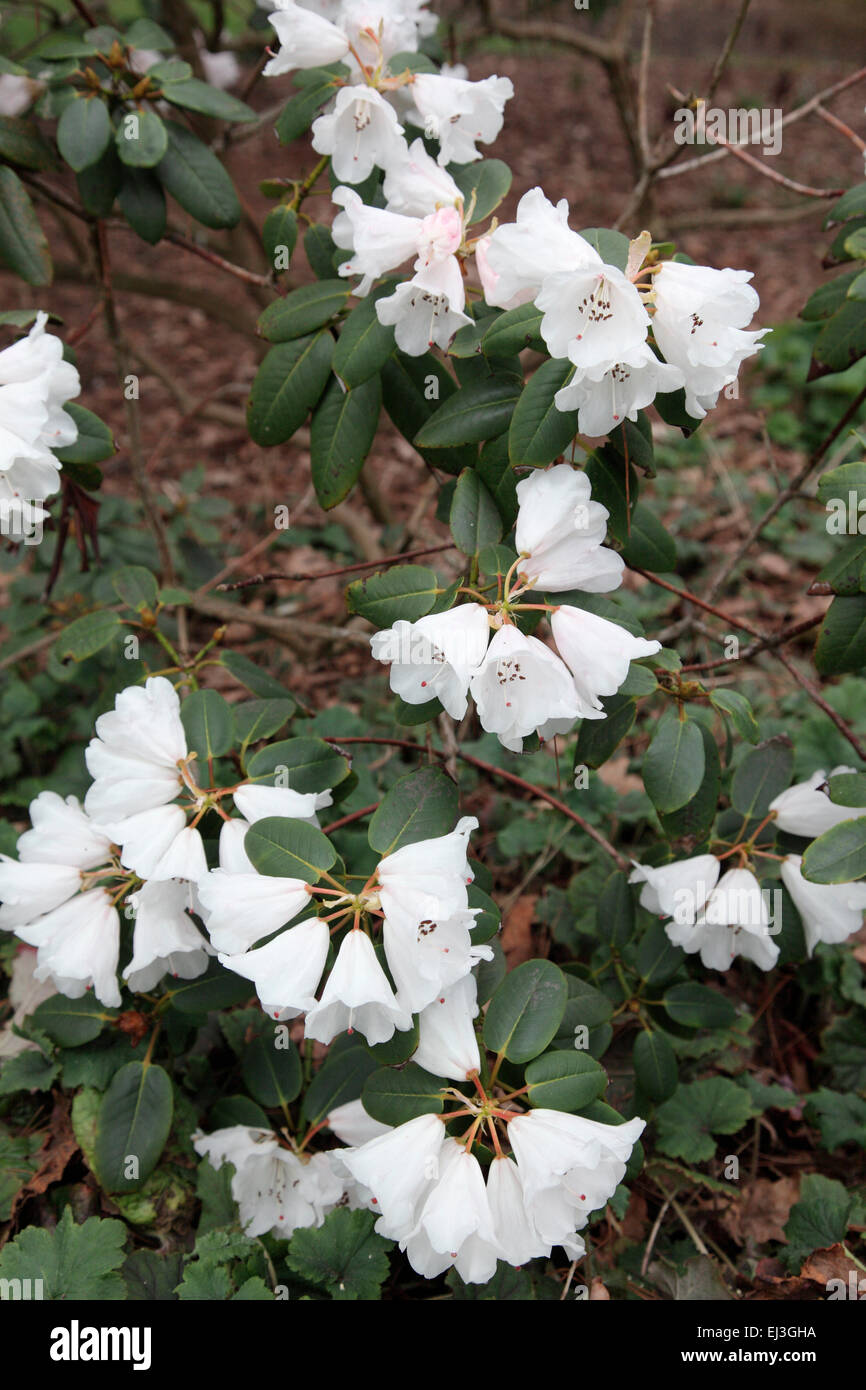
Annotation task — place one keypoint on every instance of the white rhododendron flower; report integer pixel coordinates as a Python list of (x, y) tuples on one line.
[(399, 1168), (806, 809), (18, 93), (352, 1125), (679, 889), (361, 132), (426, 309), (734, 921), (307, 40), (516, 258), (134, 758), (276, 1190), (257, 800), (423, 312), (593, 317), (286, 971), (699, 324), (521, 687), (357, 997), (416, 186), (454, 1226), (458, 113), (78, 946), (447, 1044), (570, 1167), (164, 941), (829, 912), (597, 652), (427, 879), (560, 533), (435, 656), (35, 384), (515, 1232), (241, 906), (428, 958), (606, 395), (62, 845)]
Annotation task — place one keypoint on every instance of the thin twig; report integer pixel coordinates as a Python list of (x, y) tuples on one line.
[(817, 698), (330, 574)]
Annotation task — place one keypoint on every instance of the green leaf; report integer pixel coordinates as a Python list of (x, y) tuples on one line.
[(28, 1071), (828, 298), (307, 764), (673, 767), (611, 246), (655, 1065), (841, 1118), (95, 441), (473, 413), (842, 637), (761, 776), (280, 236), (133, 1124), (196, 179), (142, 203), (698, 1006), (474, 520), (283, 848), (344, 1255), (539, 432), (170, 70), (839, 855), (851, 204), (303, 310), (23, 247), (599, 738), (259, 682), (341, 434), (87, 635), (486, 181), (846, 572), (412, 389), (209, 723), (818, 1219), (839, 482), (364, 344), (738, 710), (526, 1010), (141, 139), (83, 132), (842, 340), (71, 1022), (512, 331), (848, 789), (297, 115), (74, 1263), (258, 719), (287, 386), (615, 914), (689, 1119), (419, 806), (216, 989), (22, 142), (272, 1075), (145, 33), (195, 95), (497, 475), (565, 1080), (152, 1278), (340, 1079), (648, 545), (696, 817), (406, 591), (393, 1097), (136, 586)]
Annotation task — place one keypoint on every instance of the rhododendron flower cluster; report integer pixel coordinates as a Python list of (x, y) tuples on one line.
[(520, 685)]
